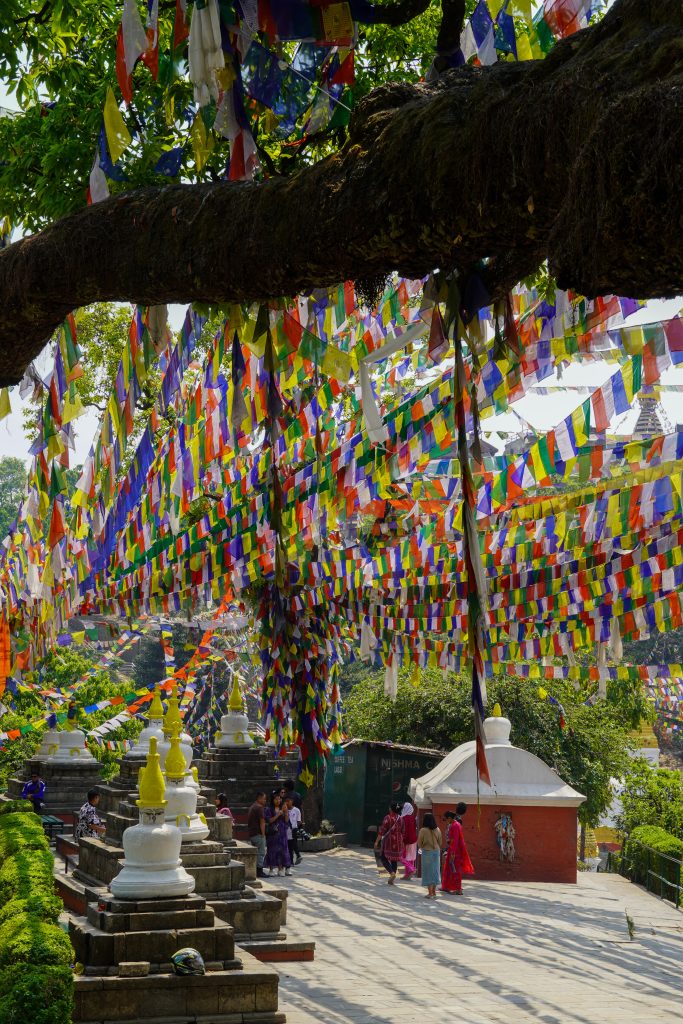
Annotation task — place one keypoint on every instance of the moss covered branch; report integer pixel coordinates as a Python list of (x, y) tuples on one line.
[(575, 159)]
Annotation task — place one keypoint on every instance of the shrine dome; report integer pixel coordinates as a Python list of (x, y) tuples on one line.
[(518, 778)]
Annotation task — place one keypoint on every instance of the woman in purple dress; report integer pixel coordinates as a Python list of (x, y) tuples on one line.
[(277, 848)]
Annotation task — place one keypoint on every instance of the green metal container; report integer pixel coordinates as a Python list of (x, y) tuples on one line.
[(364, 778)]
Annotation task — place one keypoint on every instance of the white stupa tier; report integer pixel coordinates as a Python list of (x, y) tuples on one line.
[(154, 727), (235, 725), (151, 864), (49, 744), (517, 777), (181, 799), (70, 747)]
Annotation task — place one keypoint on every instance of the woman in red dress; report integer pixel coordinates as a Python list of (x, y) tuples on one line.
[(390, 836), (457, 860)]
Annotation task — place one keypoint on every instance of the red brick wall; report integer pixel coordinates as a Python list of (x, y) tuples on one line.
[(545, 843)]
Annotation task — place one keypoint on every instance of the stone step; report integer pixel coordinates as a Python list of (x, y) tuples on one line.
[(248, 996), (66, 845), (257, 915), (96, 948), (280, 950)]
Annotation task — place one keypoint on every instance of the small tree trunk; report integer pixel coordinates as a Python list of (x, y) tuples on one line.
[(582, 843)]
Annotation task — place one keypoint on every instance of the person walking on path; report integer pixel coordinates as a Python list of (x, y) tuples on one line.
[(34, 790), (409, 827), (277, 850), (89, 824), (256, 830), (390, 839), (294, 822), (429, 843), (457, 860)]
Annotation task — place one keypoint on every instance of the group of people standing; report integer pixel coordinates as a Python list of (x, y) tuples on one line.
[(444, 861), (274, 825)]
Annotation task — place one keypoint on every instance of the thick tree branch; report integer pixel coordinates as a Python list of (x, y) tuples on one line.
[(575, 159)]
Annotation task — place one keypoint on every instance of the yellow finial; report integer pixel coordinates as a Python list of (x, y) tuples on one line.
[(156, 708), (175, 761), (195, 773), (235, 703), (151, 781), (497, 711), (172, 717)]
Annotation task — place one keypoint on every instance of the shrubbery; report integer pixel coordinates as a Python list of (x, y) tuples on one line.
[(36, 982), (641, 860), (12, 806)]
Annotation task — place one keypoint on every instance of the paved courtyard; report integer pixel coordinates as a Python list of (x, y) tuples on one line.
[(503, 953)]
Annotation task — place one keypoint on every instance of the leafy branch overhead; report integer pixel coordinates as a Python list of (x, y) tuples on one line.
[(575, 159)]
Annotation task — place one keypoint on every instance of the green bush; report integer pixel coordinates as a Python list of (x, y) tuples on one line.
[(36, 995), (21, 831), (36, 982), (641, 860), (12, 806), (41, 904), (25, 873), (26, 939)]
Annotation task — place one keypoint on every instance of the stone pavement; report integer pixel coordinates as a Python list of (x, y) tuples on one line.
[(559, 954)]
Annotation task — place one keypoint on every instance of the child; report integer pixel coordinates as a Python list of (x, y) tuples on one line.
[(295, 822)]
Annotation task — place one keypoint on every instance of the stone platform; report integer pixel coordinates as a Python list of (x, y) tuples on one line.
[(126, 947), (241, 772), (219, 879), (66, 784)]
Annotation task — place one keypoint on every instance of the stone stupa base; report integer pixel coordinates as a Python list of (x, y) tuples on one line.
[(241, 772), (126, 948), (66, 784), (218, 879)]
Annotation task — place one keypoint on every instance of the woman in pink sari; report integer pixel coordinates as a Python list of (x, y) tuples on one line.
[(457, 860)]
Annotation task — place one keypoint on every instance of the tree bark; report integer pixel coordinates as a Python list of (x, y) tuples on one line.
[(576, 159)]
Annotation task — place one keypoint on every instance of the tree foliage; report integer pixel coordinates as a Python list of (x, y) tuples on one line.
[(12, 485), (59, 670), (588, 753), (651, 796)]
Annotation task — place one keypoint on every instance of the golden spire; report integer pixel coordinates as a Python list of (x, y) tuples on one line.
[(236, 703), (156, 708), (175, 759), (172, 717), (497, 711), (151, 781)]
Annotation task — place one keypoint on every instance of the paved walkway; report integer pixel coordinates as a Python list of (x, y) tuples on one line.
[(503, 953)]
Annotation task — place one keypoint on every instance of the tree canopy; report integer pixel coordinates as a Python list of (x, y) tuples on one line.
[(586, 744)]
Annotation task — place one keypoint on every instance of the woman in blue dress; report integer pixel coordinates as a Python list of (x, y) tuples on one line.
[(277, 848), (429, 843)]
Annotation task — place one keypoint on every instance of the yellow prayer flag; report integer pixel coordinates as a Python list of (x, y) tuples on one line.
[(5, 404), (336, 364), (118, 136), (202, 142)]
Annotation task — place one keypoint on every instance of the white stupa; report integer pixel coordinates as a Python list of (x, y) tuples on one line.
[(235, 725), (517, 776), (181, 799), (71, 747), (154, 727), (151, 865)]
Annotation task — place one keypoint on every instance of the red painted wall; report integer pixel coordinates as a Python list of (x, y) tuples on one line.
[(545, 842)]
